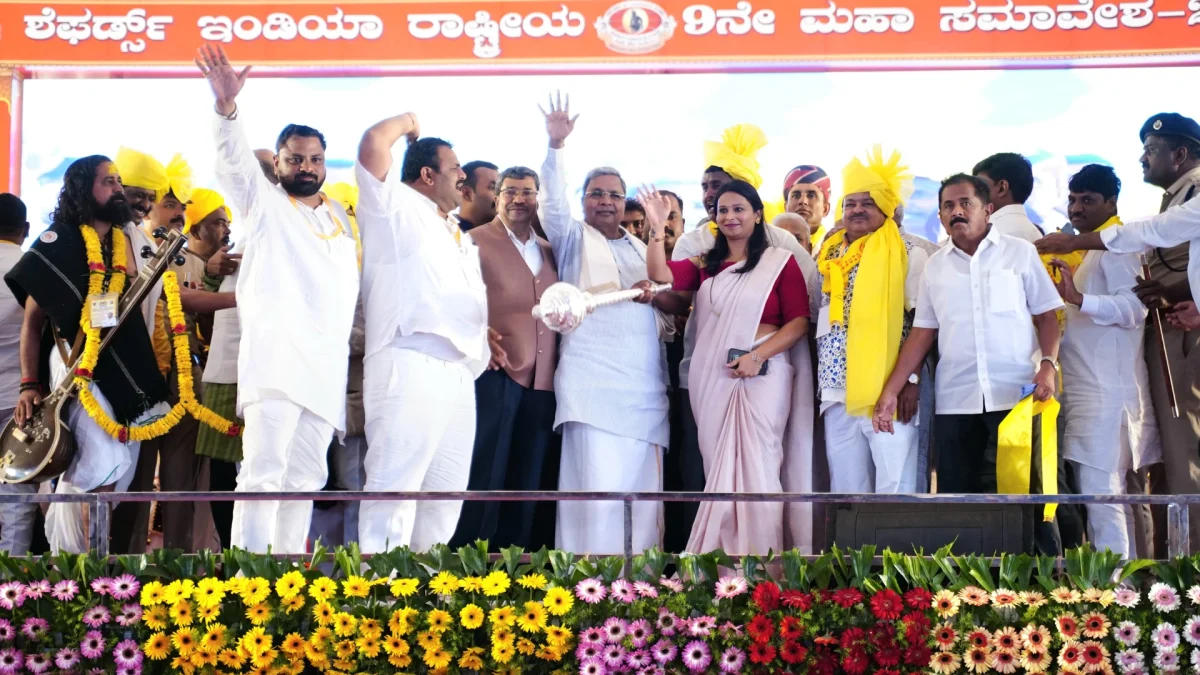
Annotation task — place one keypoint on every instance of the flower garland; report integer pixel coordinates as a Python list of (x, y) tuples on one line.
[(97, 274)]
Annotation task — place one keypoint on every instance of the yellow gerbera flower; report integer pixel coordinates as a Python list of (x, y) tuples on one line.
[(437, 658), (231, 659), (368, 647), (157, 647), (401, 622), (173, 592), (345, 649), (156, 617), (470, 584), (290, 584), (470, 660), (202, 658), (181, 613), (256, 591), (344, 624), (557, 635), (533, 618), (293, 604), (503, 616), (558, 601), (258, 614), (392, 644), (152, 594), (501, 652), (534, 582), (322, 589), (356, 587), (183, 664), (184, 640), (323, 612), (402, 588), (213, 640), (427, 640), (210, 592), (265, 659), (526, 647), (370, 628), (444, 583), (208, 614), (503, 636), (320, 637), (496, 583), (400, 660), (293, 644), (439, 621), (256, 641), (471, 617)]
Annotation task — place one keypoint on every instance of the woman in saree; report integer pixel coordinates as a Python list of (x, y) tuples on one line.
[(751, 307)]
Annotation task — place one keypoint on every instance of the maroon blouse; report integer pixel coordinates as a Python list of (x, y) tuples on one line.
[(788, 298)]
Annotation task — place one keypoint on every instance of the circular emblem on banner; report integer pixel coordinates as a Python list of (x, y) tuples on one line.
[(49, 237), (635, 27), (1157, 125)]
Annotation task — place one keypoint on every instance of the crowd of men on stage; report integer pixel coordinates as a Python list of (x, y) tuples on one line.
[(380, 337)]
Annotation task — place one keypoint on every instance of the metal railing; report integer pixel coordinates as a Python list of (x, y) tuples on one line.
[(1178, 506)]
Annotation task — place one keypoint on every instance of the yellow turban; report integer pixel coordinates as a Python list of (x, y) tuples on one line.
[(203, 204), (875, 319), (345, 194), (140, 170), (737, 152)]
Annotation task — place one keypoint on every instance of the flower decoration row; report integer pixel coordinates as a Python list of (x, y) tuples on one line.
[(548, 612)]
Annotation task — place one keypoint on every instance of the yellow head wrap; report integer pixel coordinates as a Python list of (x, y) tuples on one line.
[(737, 152), (876, 314), (140, 170), (203, 204)]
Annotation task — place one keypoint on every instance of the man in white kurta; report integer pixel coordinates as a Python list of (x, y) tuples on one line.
[(296, 291), (423, 349), (611, 377), (1110, 427)]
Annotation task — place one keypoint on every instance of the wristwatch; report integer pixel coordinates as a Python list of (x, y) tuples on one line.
[(914, 379), (1053, 362)]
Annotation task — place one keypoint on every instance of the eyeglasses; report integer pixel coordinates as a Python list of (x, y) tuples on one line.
[(601, 194), (513, 192)]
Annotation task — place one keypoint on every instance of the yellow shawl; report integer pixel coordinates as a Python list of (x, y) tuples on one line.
[(877, 309)]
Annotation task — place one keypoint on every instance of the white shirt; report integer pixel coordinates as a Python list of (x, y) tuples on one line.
[(409, 249), (221, 366), (697, 242), (1176, 225), (529, 250), (1014, 221), (1106, 388), (11, 316), (982, 307), (296, 287)]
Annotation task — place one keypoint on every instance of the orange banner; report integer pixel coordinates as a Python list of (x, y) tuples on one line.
[(483, 33)]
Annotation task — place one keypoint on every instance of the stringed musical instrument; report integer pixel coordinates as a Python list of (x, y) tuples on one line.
[(43, 447)]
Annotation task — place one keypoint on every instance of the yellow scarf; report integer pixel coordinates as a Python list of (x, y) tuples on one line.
[(876, 311), (1014, 450)]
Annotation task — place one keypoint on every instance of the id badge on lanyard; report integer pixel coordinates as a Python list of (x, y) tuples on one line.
[(104, 311)]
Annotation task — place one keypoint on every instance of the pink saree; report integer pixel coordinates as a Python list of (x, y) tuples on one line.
[(740, 422)]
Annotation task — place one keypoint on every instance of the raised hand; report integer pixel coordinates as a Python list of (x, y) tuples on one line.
[(559, 123), (225, 82), (657, 206)]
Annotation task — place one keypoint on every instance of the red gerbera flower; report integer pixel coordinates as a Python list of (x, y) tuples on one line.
[(852, 636), (761, 628), (793, 653), (945, 637), (917, 655), (847, 597), (855, 662), (761, 653), (979, 638), (883, 671), (919, 598), (1092, 654), (797, 600), (791, 629), (888, 656), (766, 596), (887, 605)]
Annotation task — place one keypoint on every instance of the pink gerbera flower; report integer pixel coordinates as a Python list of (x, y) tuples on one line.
[(127, 653), (1167, 660), (130, 615), (65, 590), (594, 634), (731, 587), (666, 622), (664, 651), (645, 590), (92, 646), (1191, 631), (732, 660), (1126, 597), (588, 650), (1129, 659), (11, 661), (97, 616), (35, 590), (1128, 633), (6, 631), (696, 656), (590, 591), (66, 659), (639, 633), (11, 595), (622, 591), (37, 663), (638, 659), (1165, 637), (129, 670), (702, 626), (675, 585), (614, 656), (592, 667), (34, 628), (103, 585), (1164, 597), (125, 587), (614, 630)]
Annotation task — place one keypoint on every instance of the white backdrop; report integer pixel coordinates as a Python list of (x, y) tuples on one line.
[(650, 126)]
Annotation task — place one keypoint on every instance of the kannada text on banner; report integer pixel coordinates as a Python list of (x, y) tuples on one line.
[(477, 34)]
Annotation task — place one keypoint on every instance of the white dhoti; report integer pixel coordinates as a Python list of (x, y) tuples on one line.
[(594, 460), (420, 414), (1109, 526), (100, 460), (862, 461), (284, 447)]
